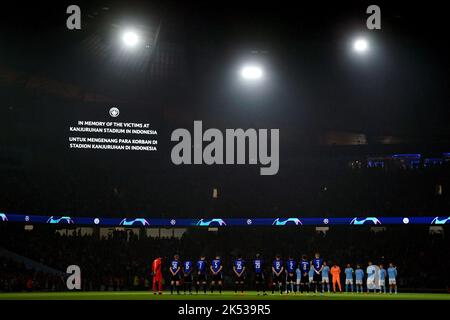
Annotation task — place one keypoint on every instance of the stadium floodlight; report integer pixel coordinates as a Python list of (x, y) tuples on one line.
[(361, 45), (130, 38), (252, 72)]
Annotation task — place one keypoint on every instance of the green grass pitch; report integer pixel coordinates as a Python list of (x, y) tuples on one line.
[(226, 295)]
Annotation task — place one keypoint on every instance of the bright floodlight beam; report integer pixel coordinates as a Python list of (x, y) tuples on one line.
[(252, 72), (360, 45), (130, 38)]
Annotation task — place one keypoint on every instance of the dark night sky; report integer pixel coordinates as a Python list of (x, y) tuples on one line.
[(400, 88), (315, 84)]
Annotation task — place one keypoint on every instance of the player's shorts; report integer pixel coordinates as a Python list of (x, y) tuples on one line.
[(317, 277), (239, 278), (310, 279), (349, 281), (277, 279), (175, 277), (201, 277), (291, 277), (217, 277), (382, 283), (359, 282), (325, 279), (392, 281), (259, 277), (305, 279), (187, 278)]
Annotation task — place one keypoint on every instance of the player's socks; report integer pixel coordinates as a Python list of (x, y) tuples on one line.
[(204, 288), (171, 289), (235, 288), (212, 288), (220, 288), (292, 287)]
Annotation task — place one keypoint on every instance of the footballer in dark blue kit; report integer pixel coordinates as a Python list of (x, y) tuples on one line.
[(304, 269), (258, 268), (277, 274), (239, 273), (318, 267), (291, 276), (187, 275), (201, 274), (175, 267), (216, 273)]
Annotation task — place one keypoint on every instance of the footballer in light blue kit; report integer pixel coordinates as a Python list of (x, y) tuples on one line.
[(349, 277), (298, 274), (359, 276), (291, 265), (311, 276), (325, 277), (382, 281), (392, 275)]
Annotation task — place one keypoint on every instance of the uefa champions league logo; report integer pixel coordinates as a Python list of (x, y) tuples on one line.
[(173, 222), (3, 217), (114, 112), (211, 222), (138, 221), (288, 221), (438, 220), (368, 220), (60, 220)]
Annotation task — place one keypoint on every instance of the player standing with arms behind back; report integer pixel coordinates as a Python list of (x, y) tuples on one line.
[(290, 274), (201, 274), (175, 267), (318, 267), (239, 272), (187, 276), (259, 274), (277, 277), (216, 272), (304, 268)]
